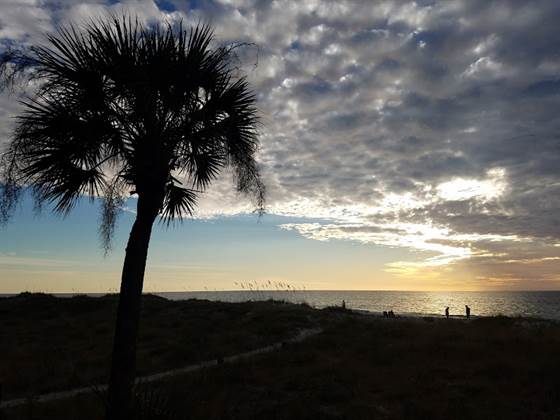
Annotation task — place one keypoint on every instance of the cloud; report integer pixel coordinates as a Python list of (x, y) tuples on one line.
[(23, 20), (394, 123)]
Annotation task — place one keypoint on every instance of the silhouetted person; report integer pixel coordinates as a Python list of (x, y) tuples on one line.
[(447, 312), (468, 311), (385, 314), (343, 304), (391, 314)]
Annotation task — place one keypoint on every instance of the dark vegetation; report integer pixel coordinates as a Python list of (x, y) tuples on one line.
[(51, 344), (360, 367)]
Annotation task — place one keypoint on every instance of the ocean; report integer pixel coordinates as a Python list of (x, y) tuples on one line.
[(526, 304)]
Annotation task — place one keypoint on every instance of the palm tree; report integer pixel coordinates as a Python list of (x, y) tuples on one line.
[(123, 108)]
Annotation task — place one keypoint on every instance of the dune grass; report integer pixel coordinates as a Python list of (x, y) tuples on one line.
[(52, 344), (360, 367), (364, 368)]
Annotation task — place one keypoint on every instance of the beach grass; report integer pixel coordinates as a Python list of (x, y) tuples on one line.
[(52, 344), (359, 367)]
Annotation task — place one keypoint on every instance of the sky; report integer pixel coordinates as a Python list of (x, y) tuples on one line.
[(404, 146)]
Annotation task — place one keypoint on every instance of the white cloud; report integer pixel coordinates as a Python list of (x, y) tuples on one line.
[(23, 19), (465, 189), (484, 68)]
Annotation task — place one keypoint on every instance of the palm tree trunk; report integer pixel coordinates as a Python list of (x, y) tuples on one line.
[(123, 366)]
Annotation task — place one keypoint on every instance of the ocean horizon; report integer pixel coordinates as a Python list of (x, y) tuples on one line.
[(534, 304)]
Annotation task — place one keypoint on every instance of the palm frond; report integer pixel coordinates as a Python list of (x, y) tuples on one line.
[(10, 189), (15, 64), (119, 100), (179, 202), (113, 201)]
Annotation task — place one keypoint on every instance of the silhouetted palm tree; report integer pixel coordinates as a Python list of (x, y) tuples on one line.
[(123, 108)]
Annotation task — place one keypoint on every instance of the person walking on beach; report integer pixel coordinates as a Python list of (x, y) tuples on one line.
[(468, 311), (447, 312)]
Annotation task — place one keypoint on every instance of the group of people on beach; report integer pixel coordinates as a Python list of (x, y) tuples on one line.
[(388, 314), (467, 312), (391, 314)]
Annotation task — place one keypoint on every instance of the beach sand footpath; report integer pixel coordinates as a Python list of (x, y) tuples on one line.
[(359, 366)]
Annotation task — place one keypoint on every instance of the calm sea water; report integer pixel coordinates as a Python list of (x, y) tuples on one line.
[(527, 304)]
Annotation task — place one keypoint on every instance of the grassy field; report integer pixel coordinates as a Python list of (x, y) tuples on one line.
[(51, 344), (360, 367)]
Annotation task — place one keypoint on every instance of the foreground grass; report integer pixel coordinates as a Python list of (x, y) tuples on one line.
[(52, 344), (363, 367)]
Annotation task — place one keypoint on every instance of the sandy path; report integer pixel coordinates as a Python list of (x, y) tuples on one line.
[(303, 334)]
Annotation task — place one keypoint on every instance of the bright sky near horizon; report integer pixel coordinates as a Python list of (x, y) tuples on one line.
[(405, 146)]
